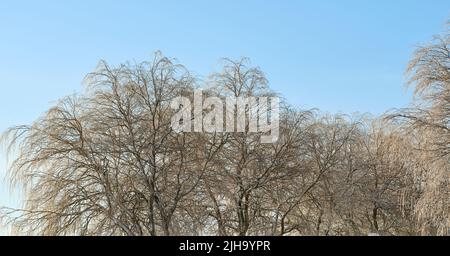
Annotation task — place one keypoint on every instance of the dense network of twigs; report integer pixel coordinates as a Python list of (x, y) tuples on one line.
[(107, 162)]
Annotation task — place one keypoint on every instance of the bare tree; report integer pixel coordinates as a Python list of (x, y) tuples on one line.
[(108, 161), (427, 121)]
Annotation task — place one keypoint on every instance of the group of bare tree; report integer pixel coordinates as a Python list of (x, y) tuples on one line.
[(107, 162)]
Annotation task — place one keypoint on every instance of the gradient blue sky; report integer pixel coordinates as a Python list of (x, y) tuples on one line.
[(339, 56)]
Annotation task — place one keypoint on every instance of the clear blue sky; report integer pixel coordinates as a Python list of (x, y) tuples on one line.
[(338, 56)]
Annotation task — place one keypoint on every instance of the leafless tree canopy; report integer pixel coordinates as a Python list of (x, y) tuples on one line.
[(107, 162)]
